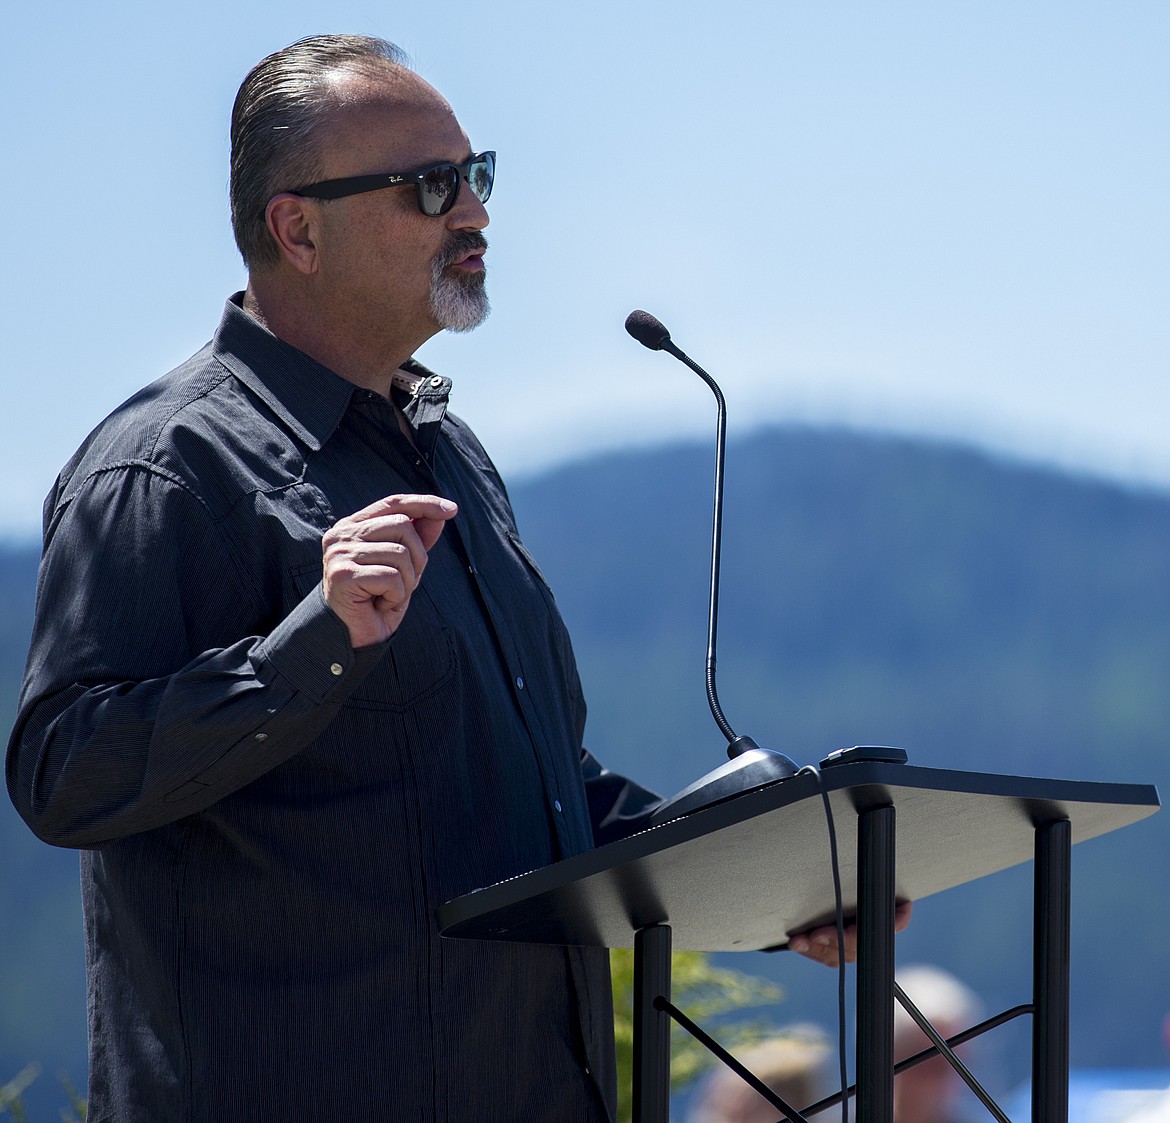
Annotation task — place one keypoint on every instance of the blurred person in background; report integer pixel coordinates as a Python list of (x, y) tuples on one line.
[(795, 1065), (930, 1092)]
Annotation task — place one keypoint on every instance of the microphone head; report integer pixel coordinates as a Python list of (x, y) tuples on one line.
[(647, 330)]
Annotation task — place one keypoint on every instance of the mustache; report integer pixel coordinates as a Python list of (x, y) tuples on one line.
[(458, 245)]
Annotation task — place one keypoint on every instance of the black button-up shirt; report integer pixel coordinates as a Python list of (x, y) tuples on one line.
[(269, 819)]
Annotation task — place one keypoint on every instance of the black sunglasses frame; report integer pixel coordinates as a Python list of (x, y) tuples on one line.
[(359, 184)]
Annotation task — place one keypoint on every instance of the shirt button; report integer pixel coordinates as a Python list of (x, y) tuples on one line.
[(437, 381), (519, 682), (557, 805), (260, 738), (336, 669)]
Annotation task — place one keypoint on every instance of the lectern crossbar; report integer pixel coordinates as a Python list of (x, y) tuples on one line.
[(795, 1115), (926, 1054), (744, 1073), (944, 1048)]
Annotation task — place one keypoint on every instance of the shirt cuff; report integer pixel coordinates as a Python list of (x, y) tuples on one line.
[(310, 648)]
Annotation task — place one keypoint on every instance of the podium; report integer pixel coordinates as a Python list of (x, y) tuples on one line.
[(745, 874)]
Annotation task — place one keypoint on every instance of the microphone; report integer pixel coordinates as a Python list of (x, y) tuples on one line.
[(750, 766), (648, 330)]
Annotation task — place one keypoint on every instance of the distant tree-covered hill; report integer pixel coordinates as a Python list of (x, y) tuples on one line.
[(983, 614)]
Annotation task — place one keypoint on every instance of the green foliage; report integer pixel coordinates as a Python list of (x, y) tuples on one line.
[(10, 1093), (706, 994), (77, 1106), (12, 1103)]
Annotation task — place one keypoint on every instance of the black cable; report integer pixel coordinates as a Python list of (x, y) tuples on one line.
[(839, 916), (938, 1044)]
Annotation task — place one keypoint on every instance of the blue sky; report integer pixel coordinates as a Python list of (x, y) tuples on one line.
[(945, 218)]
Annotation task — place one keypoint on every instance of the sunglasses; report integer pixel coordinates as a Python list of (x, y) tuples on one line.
[(437, 185)]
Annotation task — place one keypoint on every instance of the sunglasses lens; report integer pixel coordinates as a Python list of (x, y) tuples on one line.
[(481, 175), (436, 191)]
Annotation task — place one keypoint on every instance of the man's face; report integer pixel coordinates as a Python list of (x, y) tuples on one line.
[(382, 261)]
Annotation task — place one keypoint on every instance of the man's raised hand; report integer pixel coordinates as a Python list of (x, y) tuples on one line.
[(373, 561)]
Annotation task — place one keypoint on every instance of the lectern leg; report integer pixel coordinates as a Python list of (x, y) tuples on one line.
[(651, 1026), (1050, 972), (875, 965)]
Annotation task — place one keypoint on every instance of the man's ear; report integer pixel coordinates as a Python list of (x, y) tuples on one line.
[(292, 223)]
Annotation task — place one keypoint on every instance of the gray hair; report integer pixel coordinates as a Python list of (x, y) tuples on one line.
[(277, 114)]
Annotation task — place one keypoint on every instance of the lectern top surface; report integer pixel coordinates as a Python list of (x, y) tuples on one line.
[(744, 874)]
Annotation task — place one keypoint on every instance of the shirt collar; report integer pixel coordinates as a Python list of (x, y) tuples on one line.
[(307, 396)]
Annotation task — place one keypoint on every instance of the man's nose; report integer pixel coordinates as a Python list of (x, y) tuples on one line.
[(468, 213)]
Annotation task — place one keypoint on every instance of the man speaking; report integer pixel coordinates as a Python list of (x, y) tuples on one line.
[(295, 681)]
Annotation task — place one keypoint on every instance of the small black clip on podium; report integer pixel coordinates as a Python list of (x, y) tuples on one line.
[(744, 874)]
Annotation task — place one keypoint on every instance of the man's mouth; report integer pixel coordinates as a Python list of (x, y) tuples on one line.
[(471, 262), (464, 253)]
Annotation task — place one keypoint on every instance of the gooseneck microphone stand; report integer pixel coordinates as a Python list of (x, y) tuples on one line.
[(749, 766)]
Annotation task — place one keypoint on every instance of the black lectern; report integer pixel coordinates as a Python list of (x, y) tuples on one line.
[(744, 874)]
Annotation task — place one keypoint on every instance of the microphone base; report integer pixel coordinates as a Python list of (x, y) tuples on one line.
[(747, 771)]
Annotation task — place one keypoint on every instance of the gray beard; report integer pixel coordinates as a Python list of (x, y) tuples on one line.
[(457, 303)]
